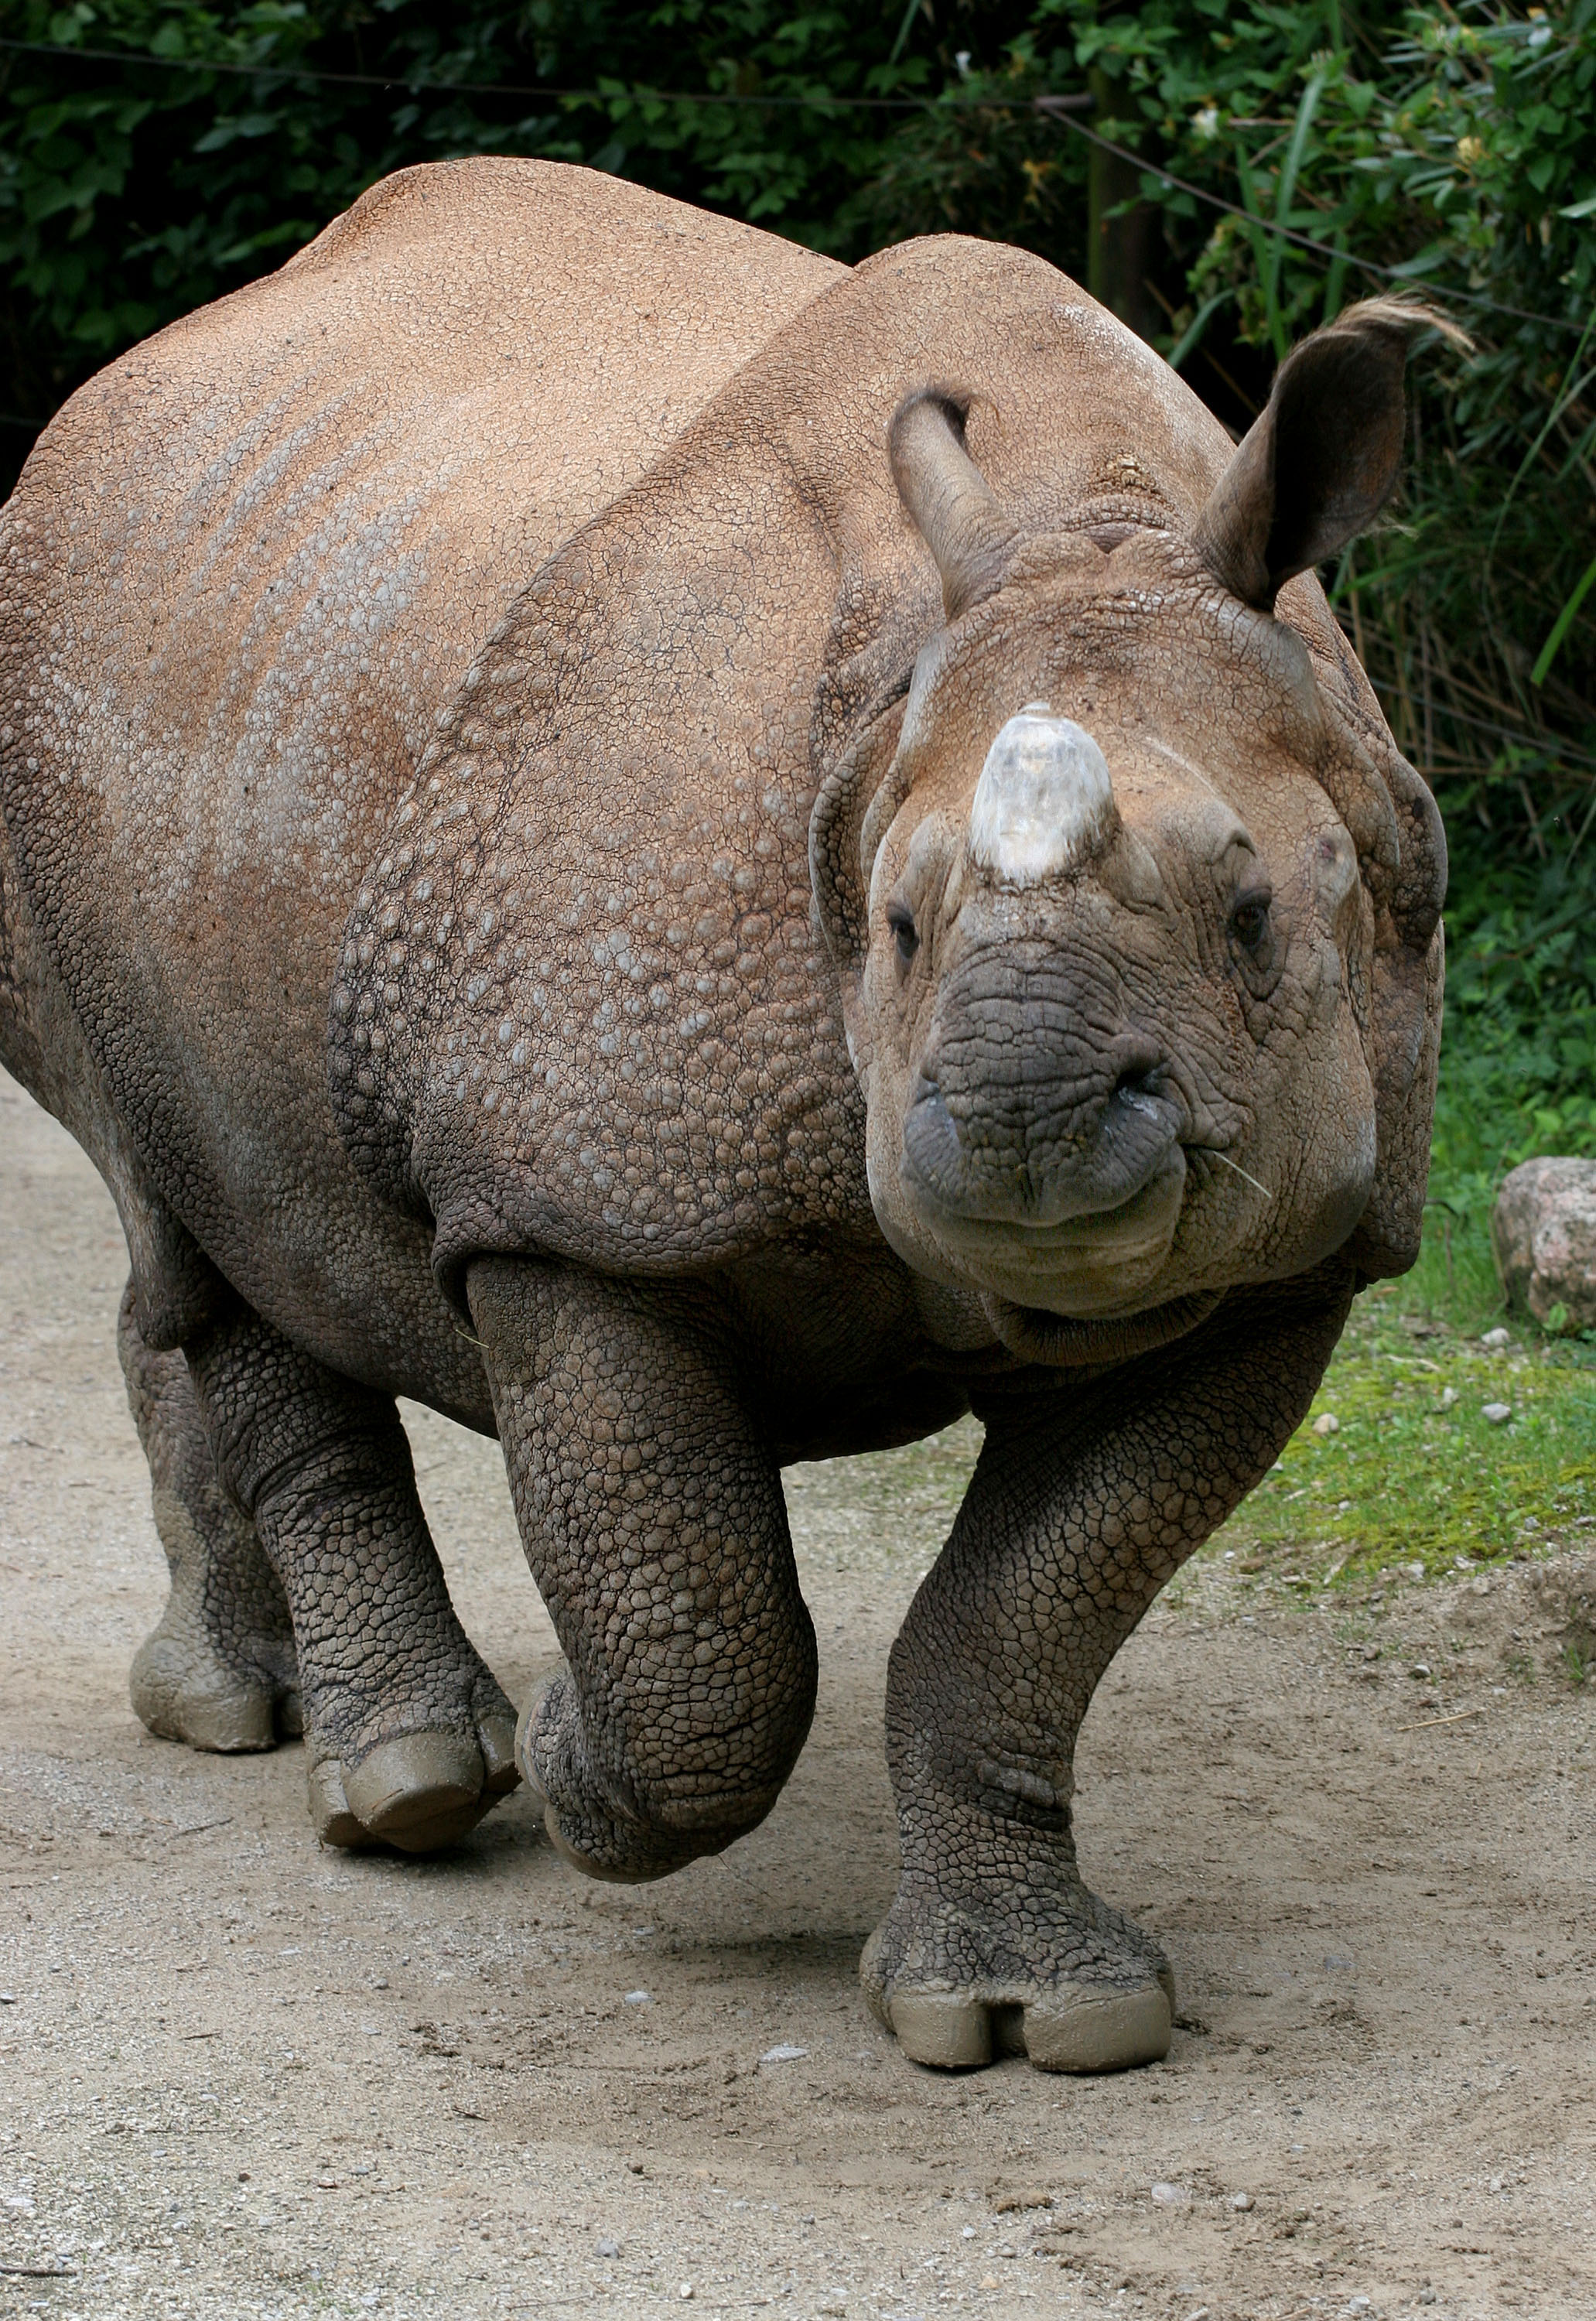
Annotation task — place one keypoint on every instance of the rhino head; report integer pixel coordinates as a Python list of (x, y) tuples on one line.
[(1135, 903)]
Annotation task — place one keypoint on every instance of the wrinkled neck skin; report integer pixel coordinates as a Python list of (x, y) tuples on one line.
[(1120, 865)]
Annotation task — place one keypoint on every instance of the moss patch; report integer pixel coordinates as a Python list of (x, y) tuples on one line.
[(1414, 1472)]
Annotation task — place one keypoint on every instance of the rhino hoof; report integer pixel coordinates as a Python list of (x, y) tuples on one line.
[(331, 1817), (182, 1694), (1098, 2030), (942, 2029), (497, 1737), (1087, 2028), (418, 1792)]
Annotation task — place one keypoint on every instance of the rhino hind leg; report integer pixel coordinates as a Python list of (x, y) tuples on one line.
[(1079, 1509), (409, 1738), (651, 1512), (219, 1671)]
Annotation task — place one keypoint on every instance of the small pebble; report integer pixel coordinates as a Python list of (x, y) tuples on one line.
[(784, 2055), (1494, 2185), (1497, 1414), (1327, 1423), (638, 1999), (1419, 1669), (1448, 1396), (1169, 2196), (606, 2248), (1497, 1337), (1242, 2201), (685, 2291)]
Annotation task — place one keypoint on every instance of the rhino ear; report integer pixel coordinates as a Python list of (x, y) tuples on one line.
[(1317, 466), (949, 499)]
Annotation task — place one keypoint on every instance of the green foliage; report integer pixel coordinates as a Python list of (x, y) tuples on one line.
[(131, 192)]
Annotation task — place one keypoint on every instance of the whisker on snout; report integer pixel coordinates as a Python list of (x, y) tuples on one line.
[(1240, 1171)]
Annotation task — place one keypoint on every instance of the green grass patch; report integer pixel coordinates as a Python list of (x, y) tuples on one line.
[(1414, 1472)]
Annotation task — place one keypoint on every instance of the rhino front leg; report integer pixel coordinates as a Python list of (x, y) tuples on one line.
[(653, 1520), (219, 1671), (1080, 1509), (410, 1739)]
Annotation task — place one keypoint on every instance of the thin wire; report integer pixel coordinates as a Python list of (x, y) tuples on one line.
[(1050, 106), (270, 69)]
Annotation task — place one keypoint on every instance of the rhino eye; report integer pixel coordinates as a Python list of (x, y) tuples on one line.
[(901, 919), (1249, 920)]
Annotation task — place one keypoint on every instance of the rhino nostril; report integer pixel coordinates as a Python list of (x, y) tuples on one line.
[(1142, 1082)]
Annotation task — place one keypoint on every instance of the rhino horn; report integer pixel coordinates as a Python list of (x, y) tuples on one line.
[(949, 499), (1045, 802)]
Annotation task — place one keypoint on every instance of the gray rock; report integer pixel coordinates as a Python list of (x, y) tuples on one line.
[(1544, 1230)]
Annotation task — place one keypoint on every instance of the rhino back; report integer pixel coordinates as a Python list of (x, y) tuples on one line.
[(243, 572)]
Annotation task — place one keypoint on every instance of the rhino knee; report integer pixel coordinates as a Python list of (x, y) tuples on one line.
[(634, 1794)]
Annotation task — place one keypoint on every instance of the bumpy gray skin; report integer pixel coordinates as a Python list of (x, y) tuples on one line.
[(511, 870), (412, 1739), (220, 1671)]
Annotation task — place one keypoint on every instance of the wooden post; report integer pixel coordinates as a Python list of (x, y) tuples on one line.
[(1120, 250)]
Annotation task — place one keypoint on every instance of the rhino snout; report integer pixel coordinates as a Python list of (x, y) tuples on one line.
[(1071, 1153)]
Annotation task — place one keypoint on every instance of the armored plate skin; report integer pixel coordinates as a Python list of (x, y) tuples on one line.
[(698, 858)]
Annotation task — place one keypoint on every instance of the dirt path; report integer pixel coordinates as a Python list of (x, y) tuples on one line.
[(240, 2076)]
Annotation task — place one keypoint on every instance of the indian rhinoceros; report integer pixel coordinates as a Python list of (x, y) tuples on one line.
[(701, 859)]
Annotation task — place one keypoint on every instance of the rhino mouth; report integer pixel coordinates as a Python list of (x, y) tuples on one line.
[(1080, 1226), (1109, 1263), (1045, 1180)]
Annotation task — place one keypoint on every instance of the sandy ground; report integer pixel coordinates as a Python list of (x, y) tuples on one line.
[(240, 2076)]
